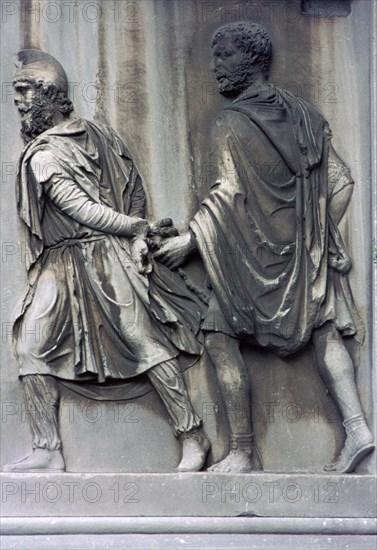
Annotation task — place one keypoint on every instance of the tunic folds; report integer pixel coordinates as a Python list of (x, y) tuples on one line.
[(89, 314)]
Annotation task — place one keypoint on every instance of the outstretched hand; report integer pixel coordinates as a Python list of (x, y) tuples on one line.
[(174, 251)]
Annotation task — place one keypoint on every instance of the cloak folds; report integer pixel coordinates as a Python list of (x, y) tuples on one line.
[(266, 228), (89, 315)]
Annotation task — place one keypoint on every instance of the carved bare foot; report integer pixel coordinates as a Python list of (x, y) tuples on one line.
[(237, 462), (358, 444), (40, 460), (195, 448)]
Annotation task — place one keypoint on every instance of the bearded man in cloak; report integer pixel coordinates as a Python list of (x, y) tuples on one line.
[(105, 311), (269, 239)]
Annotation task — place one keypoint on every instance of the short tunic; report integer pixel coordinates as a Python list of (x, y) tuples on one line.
[(89, 313)]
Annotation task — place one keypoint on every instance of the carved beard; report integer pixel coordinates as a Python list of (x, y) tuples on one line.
[(36, 119), (230, 83)]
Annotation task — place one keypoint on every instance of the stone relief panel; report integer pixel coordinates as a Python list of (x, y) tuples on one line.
[(198, 310)]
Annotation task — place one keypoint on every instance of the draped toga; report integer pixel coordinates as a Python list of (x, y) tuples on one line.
[(267, 230)]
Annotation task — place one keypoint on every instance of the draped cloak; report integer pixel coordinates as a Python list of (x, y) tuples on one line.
[(89, 315), (266, 230)]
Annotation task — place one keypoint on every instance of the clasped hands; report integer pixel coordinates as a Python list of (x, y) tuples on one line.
[(161, 241)]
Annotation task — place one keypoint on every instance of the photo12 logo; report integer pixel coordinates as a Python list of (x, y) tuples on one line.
[(51, 492), (70, 11), (268, 492)]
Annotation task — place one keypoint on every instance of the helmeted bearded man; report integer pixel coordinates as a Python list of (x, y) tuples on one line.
[(268, 236), (104, 308)]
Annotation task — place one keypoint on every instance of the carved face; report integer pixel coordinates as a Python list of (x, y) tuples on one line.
[(24, 96), (35, 108), (231, 66)]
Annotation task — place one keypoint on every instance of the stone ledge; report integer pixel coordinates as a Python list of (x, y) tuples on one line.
[(257, 495), (192, 525)]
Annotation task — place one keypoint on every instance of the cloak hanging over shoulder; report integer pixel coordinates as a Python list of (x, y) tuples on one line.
[(94, 316), (266, 228)]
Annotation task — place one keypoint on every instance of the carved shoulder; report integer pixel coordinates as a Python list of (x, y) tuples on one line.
[(44, 164)]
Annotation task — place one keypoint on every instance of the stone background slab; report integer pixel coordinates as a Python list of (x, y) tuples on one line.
[(198, 494)]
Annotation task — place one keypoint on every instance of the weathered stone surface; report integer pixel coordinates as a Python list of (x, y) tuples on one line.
[(147, 76), (167, 92), (207, 542), (202, 494)]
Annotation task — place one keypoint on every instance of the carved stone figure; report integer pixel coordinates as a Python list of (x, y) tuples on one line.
[(268, 236), (104, 309)]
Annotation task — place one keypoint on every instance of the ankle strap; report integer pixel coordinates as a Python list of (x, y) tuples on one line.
[(242, 441)]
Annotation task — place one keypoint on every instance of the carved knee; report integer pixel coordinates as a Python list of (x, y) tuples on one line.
[(326, 333), (214, 344), (220, 346), (26, 348)]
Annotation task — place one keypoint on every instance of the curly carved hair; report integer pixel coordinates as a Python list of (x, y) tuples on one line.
[(250, 38), (49, 91)]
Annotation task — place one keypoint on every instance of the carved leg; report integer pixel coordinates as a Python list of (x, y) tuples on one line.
[(337, 370), (42, 402), (169, 383), (235, 391)]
